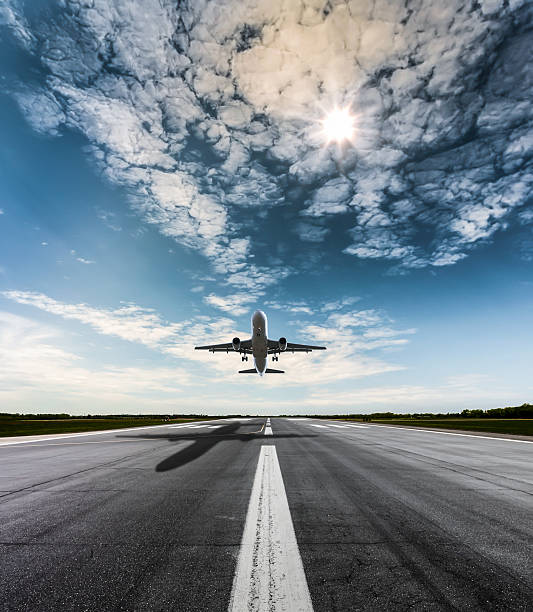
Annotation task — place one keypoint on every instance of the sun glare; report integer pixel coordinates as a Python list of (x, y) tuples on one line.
[(339, 125)]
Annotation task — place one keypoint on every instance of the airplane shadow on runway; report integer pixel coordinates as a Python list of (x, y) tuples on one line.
[(204, 442)]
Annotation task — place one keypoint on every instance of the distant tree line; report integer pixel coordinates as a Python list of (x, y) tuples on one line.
[(525, 411)]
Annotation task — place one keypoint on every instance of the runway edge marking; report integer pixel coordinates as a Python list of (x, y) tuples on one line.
[(453, 433), (66, 436), (270, 573)]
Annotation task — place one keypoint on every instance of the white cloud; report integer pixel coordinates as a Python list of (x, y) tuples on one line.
[(207, 109), (10, 17), (236, 304), (35, 368), (295, 307), (128, 322), (455, 394), (109, 219), (339, 304), (85, 261), (311, 233), (144, 326)]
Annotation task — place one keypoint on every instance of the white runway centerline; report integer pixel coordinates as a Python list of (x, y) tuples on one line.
[(270, 574), (268, 428)]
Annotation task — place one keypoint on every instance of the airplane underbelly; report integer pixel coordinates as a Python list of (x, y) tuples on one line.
[(259, 350)]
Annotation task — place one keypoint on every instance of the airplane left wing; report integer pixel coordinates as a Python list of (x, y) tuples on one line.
[(273, 347)]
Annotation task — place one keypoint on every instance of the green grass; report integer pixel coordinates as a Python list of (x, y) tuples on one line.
[(31, 427), (522, 427)]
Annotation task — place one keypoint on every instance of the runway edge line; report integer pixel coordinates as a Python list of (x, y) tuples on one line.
[(270, 573)]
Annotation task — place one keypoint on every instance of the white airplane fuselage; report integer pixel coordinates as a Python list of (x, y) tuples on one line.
[(260, 341)]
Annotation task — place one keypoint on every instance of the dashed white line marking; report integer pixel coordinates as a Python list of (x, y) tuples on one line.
[(347, 425), (268, 428), (339, 426), (316, 425), (270, 574)]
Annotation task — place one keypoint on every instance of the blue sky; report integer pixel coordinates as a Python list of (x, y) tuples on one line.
[(163, 173)]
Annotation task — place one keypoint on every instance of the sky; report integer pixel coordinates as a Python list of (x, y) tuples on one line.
[(164, 172)]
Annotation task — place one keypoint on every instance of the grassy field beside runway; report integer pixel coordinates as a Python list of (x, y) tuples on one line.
[(13, 426), (522, 427)]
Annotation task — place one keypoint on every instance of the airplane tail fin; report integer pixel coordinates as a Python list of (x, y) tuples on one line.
[(252, 371)]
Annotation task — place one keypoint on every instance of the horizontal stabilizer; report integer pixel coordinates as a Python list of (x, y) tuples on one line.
[(267, 371)]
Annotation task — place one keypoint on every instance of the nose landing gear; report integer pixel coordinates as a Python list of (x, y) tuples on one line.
[(244, 358)]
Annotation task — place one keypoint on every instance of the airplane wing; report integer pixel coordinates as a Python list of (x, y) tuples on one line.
[(273, 347), (226, 347)]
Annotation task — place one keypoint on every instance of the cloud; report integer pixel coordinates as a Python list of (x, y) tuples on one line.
[(469, 391), (295, 307), (128, 322), (85, 261), (235, 304), (311, 233), (339, 304), (11, 18), (146, 327), (208, 110), (36, 370), (109, 219)]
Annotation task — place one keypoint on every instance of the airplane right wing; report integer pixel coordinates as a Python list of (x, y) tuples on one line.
[(244, 347)]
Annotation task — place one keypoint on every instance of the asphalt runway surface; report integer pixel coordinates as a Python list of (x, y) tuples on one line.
[(244, 515)]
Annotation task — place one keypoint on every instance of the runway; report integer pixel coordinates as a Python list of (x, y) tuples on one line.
[(218, 516)]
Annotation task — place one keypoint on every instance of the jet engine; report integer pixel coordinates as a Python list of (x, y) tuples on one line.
[(236, 344), (282, 344)]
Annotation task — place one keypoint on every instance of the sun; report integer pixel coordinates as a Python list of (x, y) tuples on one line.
[(338, 125)]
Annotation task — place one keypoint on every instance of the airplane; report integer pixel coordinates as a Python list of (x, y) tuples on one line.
[(259, 346)]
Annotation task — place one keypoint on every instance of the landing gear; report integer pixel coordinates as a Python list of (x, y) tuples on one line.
[(244, 358), (275, 358)]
